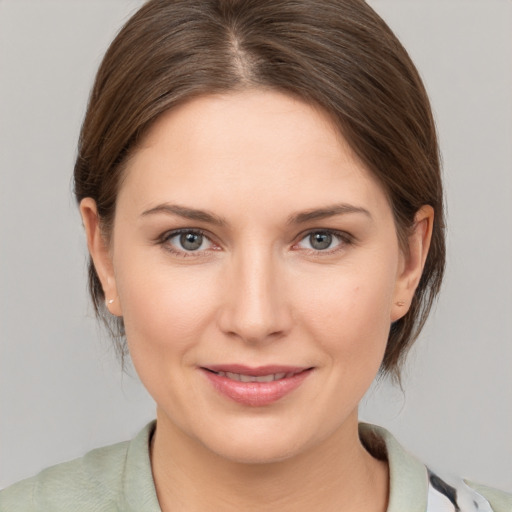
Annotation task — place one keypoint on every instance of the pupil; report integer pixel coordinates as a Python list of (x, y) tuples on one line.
[(320, 240), (191, 241)]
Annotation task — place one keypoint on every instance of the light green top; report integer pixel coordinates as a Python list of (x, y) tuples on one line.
[(118, 478)]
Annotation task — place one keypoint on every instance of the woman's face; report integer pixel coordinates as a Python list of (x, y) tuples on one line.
[(256, 265)]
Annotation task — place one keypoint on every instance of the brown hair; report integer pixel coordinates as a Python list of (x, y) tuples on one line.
[(337, 54)]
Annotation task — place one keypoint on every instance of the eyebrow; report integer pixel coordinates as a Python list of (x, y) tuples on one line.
[(298, 218), (329, 211), (186, 213)]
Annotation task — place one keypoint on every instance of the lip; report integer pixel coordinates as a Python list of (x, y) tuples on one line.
[(255, 394)]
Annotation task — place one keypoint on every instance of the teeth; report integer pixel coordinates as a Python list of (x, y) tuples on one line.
[(268, 378), (252, 378)]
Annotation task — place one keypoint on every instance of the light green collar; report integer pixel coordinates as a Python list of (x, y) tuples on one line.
[(408, 476)]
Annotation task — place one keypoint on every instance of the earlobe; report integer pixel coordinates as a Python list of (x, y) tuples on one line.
[(100, 254), (413, 262)]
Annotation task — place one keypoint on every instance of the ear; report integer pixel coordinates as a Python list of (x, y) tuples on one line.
[(100, 254), (412, 262)]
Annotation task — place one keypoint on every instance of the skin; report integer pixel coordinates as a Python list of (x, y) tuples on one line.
[(257, 292)]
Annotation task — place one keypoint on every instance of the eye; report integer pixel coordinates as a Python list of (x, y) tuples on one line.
[(323, 240), (187, 241)]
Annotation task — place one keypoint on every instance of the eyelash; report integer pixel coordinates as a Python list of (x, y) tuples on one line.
[(344, 239), (164, 241)]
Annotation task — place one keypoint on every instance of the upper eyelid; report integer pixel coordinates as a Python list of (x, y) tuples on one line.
[(336, 232), (163, 242), (174, 232), (344, 241)]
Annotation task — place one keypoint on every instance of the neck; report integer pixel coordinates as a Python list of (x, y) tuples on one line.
[(338, 475)]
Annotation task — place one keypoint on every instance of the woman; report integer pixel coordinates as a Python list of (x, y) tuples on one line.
[(259, 184)]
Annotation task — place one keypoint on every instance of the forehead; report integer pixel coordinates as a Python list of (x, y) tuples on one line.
[(220, 148), (220, 124)]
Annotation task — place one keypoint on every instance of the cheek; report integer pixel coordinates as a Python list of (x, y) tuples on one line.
[(167, 316), (164, 309), (348, 311)]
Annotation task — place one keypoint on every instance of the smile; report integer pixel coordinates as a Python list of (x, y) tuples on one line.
[(255, 387)]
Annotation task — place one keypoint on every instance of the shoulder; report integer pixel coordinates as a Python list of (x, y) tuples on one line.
[(500, 501), (414, 487), (452, 493), (79, 484), (95, 481)]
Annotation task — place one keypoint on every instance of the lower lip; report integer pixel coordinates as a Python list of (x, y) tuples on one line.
[(256, 394)]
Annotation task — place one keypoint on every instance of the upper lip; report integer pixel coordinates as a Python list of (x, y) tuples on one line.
[(255, 371)]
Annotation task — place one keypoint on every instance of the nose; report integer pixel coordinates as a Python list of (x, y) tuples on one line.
[(255, 308)]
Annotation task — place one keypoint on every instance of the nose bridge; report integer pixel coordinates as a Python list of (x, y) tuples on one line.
[(255, 308)]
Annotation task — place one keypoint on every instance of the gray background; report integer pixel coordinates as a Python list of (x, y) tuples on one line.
[(61, 389)]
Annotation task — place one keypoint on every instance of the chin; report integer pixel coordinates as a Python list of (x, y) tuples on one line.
[(257, 451), (260, 442)]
